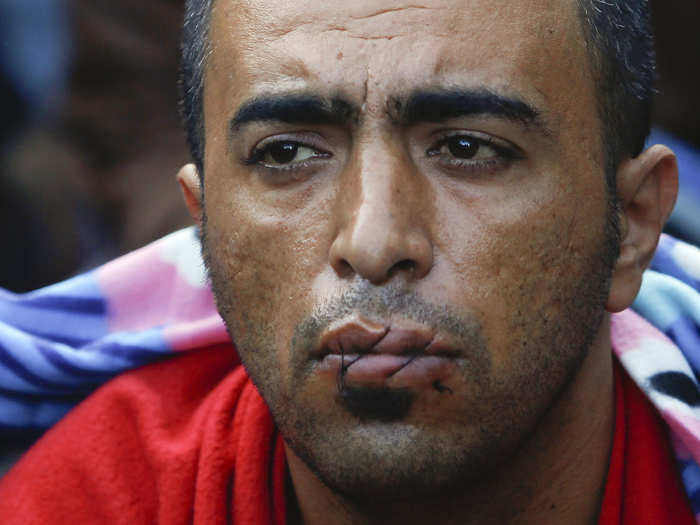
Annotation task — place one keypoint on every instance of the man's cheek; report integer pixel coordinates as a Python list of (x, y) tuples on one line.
[(517, 279), (261, 267)]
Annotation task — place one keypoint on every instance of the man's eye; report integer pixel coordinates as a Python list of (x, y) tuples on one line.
[(463, 147), (284, 153), (472, 152)]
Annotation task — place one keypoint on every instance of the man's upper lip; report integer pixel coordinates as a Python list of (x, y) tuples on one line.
[(360, 336)]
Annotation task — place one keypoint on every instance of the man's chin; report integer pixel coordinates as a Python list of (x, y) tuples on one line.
[(377, 403), (383, 461)]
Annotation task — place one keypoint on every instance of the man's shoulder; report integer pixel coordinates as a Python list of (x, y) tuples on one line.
[(137, 437)]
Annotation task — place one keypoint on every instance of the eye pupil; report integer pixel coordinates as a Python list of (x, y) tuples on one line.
[(462, 147), (283, 152)]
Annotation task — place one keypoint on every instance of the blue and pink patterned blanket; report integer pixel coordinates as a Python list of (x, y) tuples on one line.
[(60, 343)]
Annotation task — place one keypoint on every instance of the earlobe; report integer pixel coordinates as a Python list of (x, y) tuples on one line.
[(189, 181), (646, 189)]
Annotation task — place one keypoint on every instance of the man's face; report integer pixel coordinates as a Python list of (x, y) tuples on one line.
[(405, 226)]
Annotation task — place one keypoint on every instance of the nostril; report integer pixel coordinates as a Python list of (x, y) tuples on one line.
[(406, 265), (344, 268)]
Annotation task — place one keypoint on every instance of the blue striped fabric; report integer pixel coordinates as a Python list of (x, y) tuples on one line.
[(72, 312), (56, 347)]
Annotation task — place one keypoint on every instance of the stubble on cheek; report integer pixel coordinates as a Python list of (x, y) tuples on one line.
[(546, 277), (247, 273), (566, 284)]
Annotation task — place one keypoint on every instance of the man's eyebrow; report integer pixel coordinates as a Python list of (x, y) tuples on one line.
[(294, 108), (443, 104)]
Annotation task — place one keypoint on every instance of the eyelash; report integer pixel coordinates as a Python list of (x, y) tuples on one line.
[(504, 155), (258, 154)]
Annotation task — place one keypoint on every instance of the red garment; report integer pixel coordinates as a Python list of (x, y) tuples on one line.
[(642, 486), (191, 441), (166, 443)]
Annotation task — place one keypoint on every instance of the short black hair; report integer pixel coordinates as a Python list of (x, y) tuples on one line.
[(618, 37), (195, 49), (621, 45)]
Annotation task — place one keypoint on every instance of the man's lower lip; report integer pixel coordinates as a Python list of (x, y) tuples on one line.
[(394, 371)]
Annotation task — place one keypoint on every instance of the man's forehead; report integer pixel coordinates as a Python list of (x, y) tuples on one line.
[(387, 19), (388, 47)]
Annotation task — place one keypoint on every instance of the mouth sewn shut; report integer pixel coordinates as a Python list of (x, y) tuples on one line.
[(342, 371)]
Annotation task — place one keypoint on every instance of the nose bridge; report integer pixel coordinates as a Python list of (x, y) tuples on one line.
[(380, 204), (383, 232)]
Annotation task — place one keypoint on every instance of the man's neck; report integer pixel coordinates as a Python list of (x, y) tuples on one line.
[(556, 476)]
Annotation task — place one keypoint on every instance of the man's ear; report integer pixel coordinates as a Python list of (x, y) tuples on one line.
[(188, 178), (647, 186)]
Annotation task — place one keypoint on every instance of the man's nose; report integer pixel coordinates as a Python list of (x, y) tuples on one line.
[(383, 230)]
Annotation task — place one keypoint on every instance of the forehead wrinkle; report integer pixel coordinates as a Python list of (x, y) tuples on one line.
[(334, 28), (390, 10), (370, 25)]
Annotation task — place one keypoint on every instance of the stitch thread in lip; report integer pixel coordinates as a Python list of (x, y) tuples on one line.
[(352, 336), (391, 347), (405, 364), (342, 370), (436, 384), (359, 337)]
